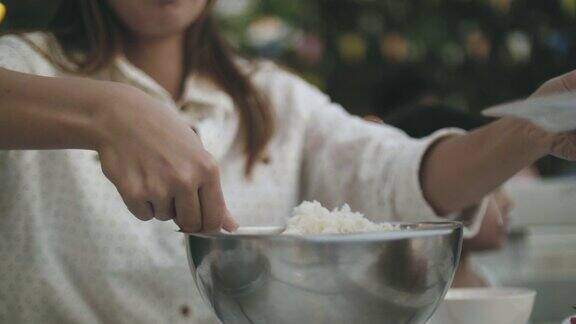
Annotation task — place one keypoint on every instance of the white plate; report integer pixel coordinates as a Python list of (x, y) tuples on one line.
[(555, 113)]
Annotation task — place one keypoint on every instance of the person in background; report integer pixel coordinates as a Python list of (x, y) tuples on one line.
[(423, 120), (141, 108), (401, 87)]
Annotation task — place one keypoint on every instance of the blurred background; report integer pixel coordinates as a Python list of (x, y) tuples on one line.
[(472, 53), (378, 57)]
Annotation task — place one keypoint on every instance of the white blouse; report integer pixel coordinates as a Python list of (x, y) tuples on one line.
[(71, 252)]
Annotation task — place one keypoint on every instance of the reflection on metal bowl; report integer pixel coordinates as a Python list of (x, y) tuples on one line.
[(386, 277)]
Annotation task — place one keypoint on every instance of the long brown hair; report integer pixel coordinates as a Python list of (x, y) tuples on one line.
[(91, 28)]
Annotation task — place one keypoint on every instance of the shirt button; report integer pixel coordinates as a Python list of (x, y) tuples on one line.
[(266, 159), (185, 310)]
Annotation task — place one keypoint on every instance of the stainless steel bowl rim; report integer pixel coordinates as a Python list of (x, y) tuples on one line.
[(424, 229), (400, 276)]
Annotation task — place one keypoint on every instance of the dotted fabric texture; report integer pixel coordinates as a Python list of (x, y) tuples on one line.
[(71, 252)]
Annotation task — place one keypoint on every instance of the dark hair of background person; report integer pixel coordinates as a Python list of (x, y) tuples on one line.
[(91, 28), (422, 120), (400, 87)]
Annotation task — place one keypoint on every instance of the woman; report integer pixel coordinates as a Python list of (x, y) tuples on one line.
[(118, 87)]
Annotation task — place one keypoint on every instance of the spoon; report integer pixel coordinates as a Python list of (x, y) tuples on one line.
[(257, 230), (252, 230)]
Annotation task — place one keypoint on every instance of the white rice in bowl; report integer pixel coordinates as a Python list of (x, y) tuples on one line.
[(310, 217)]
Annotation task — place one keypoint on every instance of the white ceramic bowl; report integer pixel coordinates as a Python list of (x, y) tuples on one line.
[(485, 305)]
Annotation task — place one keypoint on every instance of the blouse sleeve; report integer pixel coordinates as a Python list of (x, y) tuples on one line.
[(374, 168)]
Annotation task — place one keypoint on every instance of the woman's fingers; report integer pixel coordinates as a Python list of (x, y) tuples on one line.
[(140, 208), (560, 84), (134, 198), (188, 213), (212, 203), (212, 206), (229, 223), (164, 209)]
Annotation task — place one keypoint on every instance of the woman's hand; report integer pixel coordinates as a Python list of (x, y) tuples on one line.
[(460, 170), (154, 159), (157, 162), (561, 145)]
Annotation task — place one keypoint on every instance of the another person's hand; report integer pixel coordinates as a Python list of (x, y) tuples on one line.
[(157, 162), (562, 145), (563, 83)]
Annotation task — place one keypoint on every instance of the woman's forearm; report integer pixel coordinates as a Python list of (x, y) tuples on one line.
[(152, 156), (47, 113), (460, 170)]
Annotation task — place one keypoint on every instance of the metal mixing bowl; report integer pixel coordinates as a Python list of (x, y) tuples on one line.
[(385, 277)]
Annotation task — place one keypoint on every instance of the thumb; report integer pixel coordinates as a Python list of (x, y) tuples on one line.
[(229, 223), (560, 84)]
